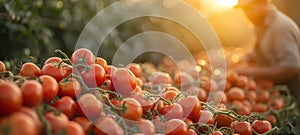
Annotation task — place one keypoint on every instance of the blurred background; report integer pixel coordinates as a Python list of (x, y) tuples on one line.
[(32, 30)]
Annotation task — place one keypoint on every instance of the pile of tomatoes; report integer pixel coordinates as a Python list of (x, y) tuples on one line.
[(84, 95)]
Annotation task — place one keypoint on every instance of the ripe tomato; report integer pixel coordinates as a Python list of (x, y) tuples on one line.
[(67, 106), (107, 126), (263, 96), (242, 82), (19, 123), (192, 132), (175, 127), (72, 128), (223, 120), (278, 103), (271, 118), (69, 87), (53, 60), (172, 111), (94, 76), (33, 115), (209, 85), (191, 106), (235, 93), (170, 95), (146, 127), (2, 67), (82, 56), (183, 80), (160, 78), (11, 98), (90, 106), (30, 70), (259, 107), (243, 128), (261, 126), (136, 69), (102, 62), (123, 81), (110, 69), (147, 104), (87, 125), (219, 96), (50, 87), (206, 117), (32, 92), (199, 92), (56, 71), (57, 121), (134, 109)]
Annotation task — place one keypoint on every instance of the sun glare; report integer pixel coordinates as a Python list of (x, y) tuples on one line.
[(226, 3)]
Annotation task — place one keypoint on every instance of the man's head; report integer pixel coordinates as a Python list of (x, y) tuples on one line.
[(255, 9)]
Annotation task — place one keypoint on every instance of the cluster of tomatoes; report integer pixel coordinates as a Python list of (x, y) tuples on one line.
[(85, 95)]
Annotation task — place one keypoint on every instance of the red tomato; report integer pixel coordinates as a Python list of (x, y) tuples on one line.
[(271, 118), (136, 69), (147, 104), (19, 124), (278, 103), (82, 56), (50, 87), (172, 111), (199, 92), (90, 106), (69, 87), (146, 127), (57, 121), (170, 95), (243, 128), (206, 117), (209, 85), (11, 98), (30, 70), (55, 70), (191, 106), (259, 107), (2, 67), (94, 76), (242, 82), (110, 69), (102, 62), (72, 128), (134, 109), (261, 126), (32, 92), (160, 78), (223, 120), (32, 114), (85, 123), (176, 127), (235, 93), (123, 81), (183, 80), (53, 60), (107, 126), (67, 106), (263, 96), (192, 132)]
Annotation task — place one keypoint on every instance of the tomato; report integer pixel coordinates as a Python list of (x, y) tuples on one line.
[(242, 82), (136, 69), (147, 104), (219, 96), (158, 122), (271, 118), (216, 133), (102, 62), (90, 106), (110, 69), (199, 92), (123, 81), (160, 78), (236, 93), (55, 70), (263, 96), (69, 87), (30, 70), (175, 127), (134, 109), (232, 77), (223, 120), (50, 87), (259, 107), (72, 128), (243, 128), (107, 126), (33, 115), (251, 96), (206, 117), (146, 127), (53, 60), (32, 92), (188, 122), (209, 85), (94, 76), (278, 103), (2, 67), (192, 132), (191, 106), (67, 106), (261, 126), (183, 80), (170, 95), (252, 85), (244, 110), (85, 123), (172, 111), (57, 121), (18, 123), (82, 56), (11, 98)]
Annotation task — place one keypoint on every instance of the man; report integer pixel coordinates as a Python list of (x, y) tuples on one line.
[(277, 49)]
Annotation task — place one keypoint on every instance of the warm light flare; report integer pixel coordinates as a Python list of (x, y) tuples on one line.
[(226, 3)]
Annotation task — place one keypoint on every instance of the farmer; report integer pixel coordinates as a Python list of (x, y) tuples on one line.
[(277, 48)]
